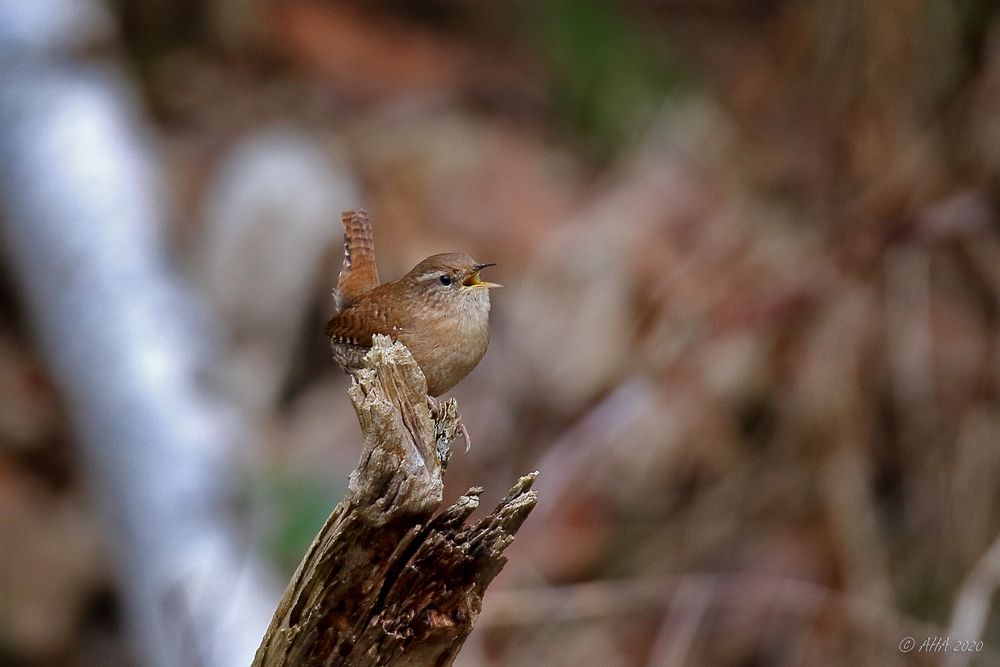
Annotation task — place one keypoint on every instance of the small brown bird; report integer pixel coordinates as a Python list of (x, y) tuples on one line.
[(439, 310)]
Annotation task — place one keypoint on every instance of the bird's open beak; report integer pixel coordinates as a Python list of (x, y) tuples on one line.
[(475, 281)]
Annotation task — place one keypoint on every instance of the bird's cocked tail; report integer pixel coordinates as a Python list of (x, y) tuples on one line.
[(359, 273)]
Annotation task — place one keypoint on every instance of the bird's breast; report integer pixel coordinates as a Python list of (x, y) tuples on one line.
[(448, 347)]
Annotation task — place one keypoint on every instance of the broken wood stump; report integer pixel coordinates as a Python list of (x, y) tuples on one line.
[(389, 580)]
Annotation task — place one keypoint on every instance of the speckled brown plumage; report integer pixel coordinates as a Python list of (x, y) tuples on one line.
[(439, 310)]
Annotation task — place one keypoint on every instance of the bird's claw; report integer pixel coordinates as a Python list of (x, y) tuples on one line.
[(465, 435), (441, 411)]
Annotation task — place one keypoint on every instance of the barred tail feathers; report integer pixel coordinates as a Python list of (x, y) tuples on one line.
[(359, 273)]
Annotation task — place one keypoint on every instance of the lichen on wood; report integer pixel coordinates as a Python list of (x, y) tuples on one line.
[(390, 580)]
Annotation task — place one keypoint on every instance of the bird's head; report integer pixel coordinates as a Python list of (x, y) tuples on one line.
[(451, 277)]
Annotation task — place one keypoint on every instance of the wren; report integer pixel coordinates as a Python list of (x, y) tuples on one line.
[(439, 310)]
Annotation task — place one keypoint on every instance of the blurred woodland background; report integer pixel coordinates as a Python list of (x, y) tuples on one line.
[(750, 335)]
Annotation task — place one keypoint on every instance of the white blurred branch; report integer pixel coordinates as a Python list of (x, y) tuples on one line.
[(126, 341), (272, 212), (972, 606)]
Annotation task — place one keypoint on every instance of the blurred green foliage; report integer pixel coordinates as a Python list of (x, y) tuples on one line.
[(298, 506), (608, 83)]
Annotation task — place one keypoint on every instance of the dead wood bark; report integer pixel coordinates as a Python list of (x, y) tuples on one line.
[(386, 582)]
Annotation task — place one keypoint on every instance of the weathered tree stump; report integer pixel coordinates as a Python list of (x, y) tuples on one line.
[(386, 582)]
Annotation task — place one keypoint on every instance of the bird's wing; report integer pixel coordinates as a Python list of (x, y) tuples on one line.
[(356, 323), (359, 274)]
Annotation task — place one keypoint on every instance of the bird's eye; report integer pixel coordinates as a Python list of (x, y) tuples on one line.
[(445, 280)]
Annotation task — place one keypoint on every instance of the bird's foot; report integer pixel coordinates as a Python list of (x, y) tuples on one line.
[(448, 426), (465, 435)]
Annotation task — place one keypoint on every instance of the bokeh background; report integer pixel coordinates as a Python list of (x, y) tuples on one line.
[(750, 334)]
